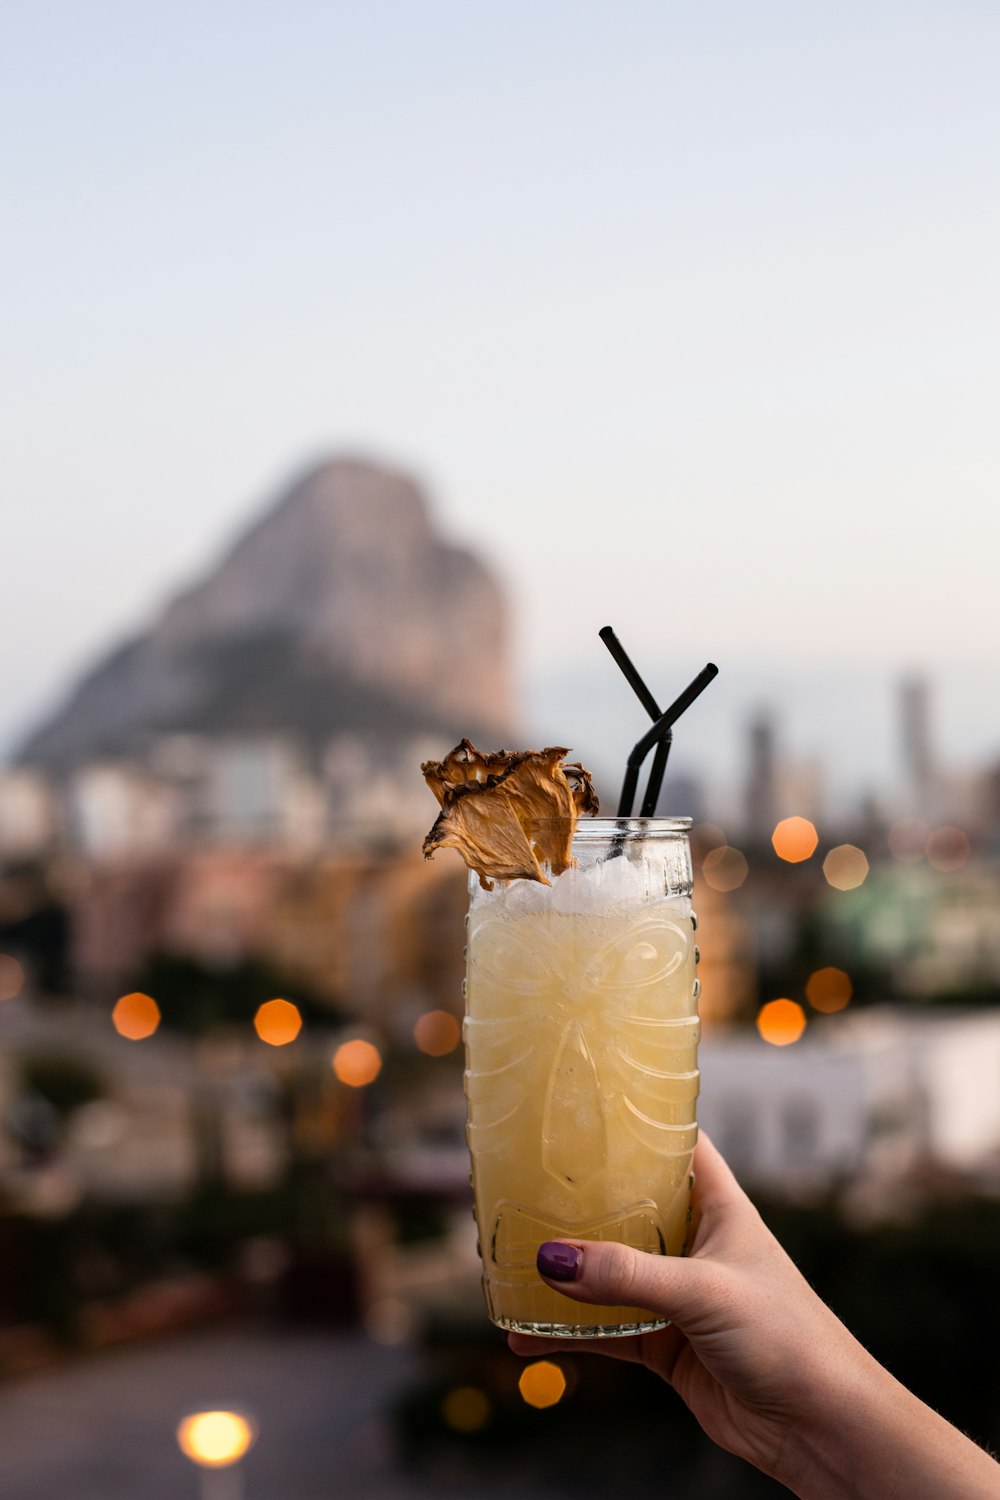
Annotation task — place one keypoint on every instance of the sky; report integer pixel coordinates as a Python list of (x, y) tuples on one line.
[(686, 316)]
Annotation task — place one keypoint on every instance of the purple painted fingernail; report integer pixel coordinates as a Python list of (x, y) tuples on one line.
[(559, 1262)]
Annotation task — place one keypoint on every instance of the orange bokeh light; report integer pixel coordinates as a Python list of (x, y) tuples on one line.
[(794, 840), (829, 990), (357, 1063), (781, 1022), (947, 848), (845, 867), (542, 1384), (724, 869), (136, 1016), (11, 977), (437, 1033), (277, 1022), (466, 1408)]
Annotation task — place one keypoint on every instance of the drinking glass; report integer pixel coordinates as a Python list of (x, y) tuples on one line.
[(581, 1038)]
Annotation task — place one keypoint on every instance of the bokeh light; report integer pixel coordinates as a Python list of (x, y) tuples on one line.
[(215, 1439), (724, 869), (542, 1384), (947, 848), (357, 1063), (437, 1033), (829, 990), (11, 977), (136, 1016), (845, 867), (277, 1022), (704, 837), (907, 837), (388, 1321), (795, 839), (466, 1408), (781, 1022)]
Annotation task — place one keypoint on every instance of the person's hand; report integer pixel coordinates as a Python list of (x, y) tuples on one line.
[(767, 1369)]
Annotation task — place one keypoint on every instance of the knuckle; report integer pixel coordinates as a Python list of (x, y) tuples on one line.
[(618, 1270)]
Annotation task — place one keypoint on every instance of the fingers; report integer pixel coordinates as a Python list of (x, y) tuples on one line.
[(616, 1275)]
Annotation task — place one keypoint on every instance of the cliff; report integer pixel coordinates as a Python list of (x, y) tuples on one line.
[(341, 608)]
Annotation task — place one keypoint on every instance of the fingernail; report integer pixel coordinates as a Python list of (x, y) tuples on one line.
[(559, 1262)]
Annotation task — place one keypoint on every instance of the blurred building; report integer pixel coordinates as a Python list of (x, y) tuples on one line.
[(760, 810), (777, 786), (918, 784), (883, 1094), (30, 814)]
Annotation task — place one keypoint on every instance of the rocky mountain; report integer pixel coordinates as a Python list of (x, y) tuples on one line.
[(342, 608)]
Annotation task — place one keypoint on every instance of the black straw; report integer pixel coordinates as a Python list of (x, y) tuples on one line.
[(669, 718), (659, 733), (655, 782), (629, 672), (649, 703)]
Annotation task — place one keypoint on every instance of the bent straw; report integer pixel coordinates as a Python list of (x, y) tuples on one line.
[(629, 672), (659, 731), (655, 782), (651, 706)]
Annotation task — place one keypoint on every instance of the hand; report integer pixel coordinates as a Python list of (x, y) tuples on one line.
[(767, 1369)]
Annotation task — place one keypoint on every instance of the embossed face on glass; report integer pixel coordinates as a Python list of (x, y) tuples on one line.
[(573, 960), (584, 1033)]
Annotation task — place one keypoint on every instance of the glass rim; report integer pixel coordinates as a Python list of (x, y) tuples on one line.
[(611, 827)]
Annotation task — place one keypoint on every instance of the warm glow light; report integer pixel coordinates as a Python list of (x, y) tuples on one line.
[(829, 990), (907, 837), (388, 1321), (466, 1408), (136, 1016), (781, 1022), (215, 1439), (542, 1384), (706, 836), (357, 1063), (11, 977), (437, 1033), (947, 849), (724, 869), (277, 1022), (845, 867), (794, 840)]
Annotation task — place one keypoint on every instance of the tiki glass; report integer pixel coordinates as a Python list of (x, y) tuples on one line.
[(582, 1066)]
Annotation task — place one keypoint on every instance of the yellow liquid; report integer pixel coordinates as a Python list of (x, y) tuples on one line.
[(581, 1045)]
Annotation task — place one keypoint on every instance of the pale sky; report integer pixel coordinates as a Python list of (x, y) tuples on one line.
[(687, 315)]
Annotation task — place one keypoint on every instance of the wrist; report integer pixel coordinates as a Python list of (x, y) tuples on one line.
[(868, 1438)]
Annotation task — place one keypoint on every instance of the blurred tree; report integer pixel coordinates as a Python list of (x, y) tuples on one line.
[(35, 925), (194, 998), (64, 1082)]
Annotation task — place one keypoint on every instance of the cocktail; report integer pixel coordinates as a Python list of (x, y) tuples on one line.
[(581, 1025), (581, 1042)]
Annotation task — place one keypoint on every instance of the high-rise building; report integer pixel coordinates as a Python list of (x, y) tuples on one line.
[(761, 784), (919, 772)]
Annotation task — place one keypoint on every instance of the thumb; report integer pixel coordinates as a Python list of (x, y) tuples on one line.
[(685, 1291)]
